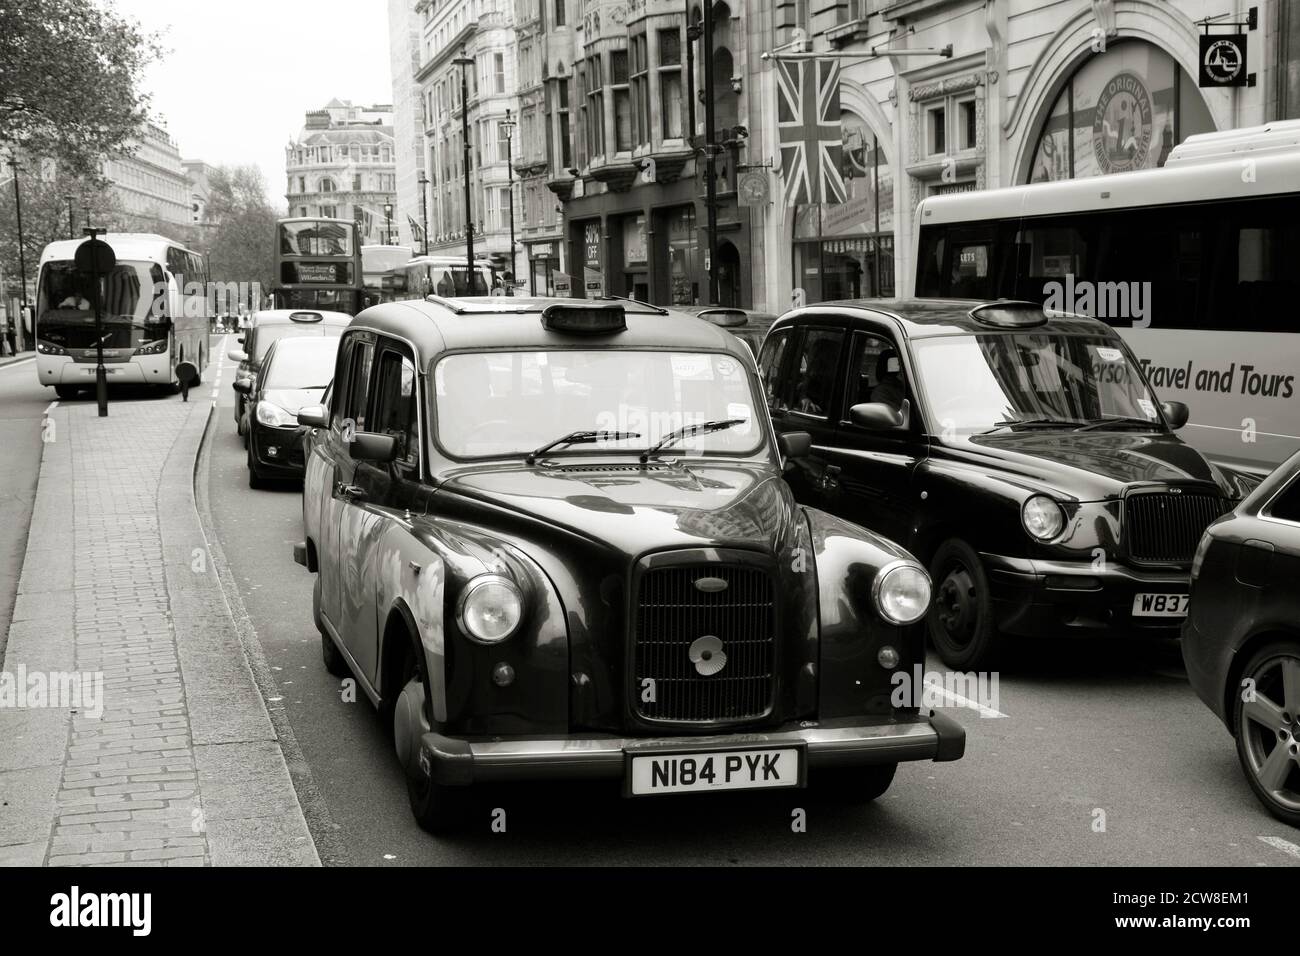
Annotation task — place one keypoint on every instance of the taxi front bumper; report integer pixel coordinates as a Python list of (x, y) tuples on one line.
[(455, 761)]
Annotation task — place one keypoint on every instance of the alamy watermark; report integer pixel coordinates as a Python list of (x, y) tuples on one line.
[(927, 690), (1100, 300), (56, 690)]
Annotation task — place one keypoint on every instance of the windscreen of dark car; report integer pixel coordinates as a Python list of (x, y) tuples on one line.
[(976, 383), (511, 403), (303, 364)]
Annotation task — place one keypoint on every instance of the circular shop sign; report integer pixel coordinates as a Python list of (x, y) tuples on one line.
[(1223, 61), (1121, 127)]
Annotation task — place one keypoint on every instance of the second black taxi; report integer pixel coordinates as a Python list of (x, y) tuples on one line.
[(552, 540), (1023, 457)]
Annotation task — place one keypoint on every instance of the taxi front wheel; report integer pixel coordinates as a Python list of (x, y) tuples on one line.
[(855, 784), (960, 621), (437, 808)]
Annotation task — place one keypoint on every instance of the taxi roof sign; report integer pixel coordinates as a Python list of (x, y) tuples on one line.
[(306, 317), (1010, 314), (604, 318)]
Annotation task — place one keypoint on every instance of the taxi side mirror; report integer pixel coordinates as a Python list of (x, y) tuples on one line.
[(880, 416), (236, 355), (313, 416), (244, 386), (794, 444), (371, 446), (1177, 413)]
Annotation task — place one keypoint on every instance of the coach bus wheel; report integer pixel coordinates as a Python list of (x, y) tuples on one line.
[(66, 392)]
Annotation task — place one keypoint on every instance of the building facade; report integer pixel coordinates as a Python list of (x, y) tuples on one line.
[(634, 193), (1033, 90), (472, 46), (150, 181), (408, 123), (342, 165), (199, 174)]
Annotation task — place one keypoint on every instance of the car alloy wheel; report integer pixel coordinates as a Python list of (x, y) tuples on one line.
[(1267, 722)]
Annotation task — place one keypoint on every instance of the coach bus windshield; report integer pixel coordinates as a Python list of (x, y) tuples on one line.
[(987, 382), (133, 310)]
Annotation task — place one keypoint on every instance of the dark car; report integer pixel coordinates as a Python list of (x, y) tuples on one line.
[(1241, 640), (295, 372), (266, 328), (745, 324), (1024, 458), (552, 540)]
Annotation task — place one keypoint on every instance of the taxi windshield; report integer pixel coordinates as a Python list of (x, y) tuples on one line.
[(504, 404), (979, 383)]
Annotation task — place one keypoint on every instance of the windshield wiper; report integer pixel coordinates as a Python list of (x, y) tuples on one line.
[(1031, 423), (579, 438), (688, 431), (1120, 421)]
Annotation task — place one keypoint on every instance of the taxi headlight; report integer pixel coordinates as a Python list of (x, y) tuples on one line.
[(273, 416), (490, 608), (901, 592), (1042, 517)]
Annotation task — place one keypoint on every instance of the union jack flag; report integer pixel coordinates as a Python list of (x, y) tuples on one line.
[(808, 118)]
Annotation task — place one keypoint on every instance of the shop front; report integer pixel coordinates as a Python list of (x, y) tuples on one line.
[(846, 250), (543, 267), (1120, 110)]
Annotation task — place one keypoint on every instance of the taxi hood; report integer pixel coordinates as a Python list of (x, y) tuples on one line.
[(1095, 466), (634, 508)]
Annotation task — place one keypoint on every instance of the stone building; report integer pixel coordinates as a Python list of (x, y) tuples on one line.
[(342, 166), (1032, 90), (150, 182), (483, 31)]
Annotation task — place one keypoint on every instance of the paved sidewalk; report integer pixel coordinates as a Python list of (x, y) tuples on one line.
[(182, 767)]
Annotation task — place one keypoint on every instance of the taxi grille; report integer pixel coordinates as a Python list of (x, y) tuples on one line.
[(672, 613), (1166, 528)]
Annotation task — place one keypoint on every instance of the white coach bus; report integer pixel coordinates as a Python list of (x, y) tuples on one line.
[(1197, 264), (154, 314)]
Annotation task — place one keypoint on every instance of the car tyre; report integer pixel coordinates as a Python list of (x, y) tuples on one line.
[(1267, 730), (437, 808), (254, 479), (66, 392), (961, 625), (335, 663)]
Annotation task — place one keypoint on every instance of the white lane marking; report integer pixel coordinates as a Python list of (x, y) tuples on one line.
[(52, 406), (1285, 846), (20, 362), (958, 700)]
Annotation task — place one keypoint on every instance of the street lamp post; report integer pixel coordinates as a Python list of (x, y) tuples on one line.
[(424, 210), (388, 224), (71, 226), (463, 61), (509, 127), (18, 215)]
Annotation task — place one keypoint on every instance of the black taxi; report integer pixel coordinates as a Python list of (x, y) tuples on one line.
[(552, 540), (1022, 456)]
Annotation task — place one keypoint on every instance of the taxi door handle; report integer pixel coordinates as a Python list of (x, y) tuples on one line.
[(830, 478), (349, 492)]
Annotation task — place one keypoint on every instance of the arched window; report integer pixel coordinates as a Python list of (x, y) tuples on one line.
[(327, 185), (1121, 110)]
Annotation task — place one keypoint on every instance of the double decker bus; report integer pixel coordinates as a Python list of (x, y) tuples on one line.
[(1194, 263), (318, 265), (154, 314), (383, 270)]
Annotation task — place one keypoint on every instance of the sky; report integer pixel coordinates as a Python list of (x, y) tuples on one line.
[(238, 75)]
